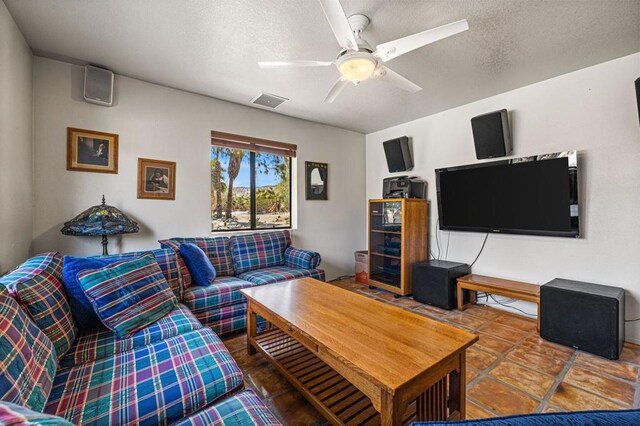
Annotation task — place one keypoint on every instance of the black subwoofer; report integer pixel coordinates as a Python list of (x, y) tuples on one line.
[(434, 282), (586, 316)]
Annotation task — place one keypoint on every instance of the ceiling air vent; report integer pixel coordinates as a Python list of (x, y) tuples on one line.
[(268, 100)]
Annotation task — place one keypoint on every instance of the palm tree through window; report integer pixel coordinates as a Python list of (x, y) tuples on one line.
[(249, 189)]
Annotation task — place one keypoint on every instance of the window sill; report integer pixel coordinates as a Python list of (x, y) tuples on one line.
[(248, 231)]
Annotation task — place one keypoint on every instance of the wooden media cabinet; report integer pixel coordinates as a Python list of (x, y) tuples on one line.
[(397, 240)]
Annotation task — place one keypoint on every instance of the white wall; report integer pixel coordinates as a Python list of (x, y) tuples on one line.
[(16, 66), (593, 111), (162, 123)]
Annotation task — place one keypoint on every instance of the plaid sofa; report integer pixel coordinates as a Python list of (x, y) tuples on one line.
[(241, 261), (175, 371)]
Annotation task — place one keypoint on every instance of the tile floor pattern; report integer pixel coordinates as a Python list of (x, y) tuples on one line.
[(510, 370)]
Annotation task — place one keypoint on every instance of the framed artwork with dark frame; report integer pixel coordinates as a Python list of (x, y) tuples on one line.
[(316, 177), (91, 151), (156, 179)]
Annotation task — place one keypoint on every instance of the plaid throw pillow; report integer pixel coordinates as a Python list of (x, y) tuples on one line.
[(27, 357), (37, 286), (169, 261), (83, 314), (128, 295)]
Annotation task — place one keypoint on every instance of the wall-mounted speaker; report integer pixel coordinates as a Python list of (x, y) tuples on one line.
[(491, 134), (398, 154), (638, 96), (98, 85)]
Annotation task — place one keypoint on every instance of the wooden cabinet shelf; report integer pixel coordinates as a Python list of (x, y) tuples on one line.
[(384, 255), (397, 239)]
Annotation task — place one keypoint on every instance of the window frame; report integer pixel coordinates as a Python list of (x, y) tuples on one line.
[(255, 146)]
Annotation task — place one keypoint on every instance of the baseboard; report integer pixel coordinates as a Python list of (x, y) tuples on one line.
[(531, 308), (632, 340)]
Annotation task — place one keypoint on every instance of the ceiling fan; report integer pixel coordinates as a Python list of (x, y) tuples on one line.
[(357, 61)]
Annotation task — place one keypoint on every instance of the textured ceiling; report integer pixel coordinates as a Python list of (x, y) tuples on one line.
[(211, 47)]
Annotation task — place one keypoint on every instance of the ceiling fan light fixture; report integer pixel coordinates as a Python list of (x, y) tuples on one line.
[(358, 61), (357, 67)]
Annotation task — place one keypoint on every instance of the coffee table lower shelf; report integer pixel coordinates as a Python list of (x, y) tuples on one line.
[(340, 401)]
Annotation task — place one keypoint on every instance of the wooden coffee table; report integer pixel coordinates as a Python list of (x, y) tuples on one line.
[(358, 360)]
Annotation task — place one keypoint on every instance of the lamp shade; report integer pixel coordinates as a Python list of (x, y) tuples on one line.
[(100, 220)]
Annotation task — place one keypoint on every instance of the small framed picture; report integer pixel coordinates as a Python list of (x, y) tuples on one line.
[(156, 179), (316, 175), (91, 151)]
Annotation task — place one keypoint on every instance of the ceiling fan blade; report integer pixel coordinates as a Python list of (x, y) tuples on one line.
[(395, 48), (293, 64), (385, 74), (336, 89), (339, 24)]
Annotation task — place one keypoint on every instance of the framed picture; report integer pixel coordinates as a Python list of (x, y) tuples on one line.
[(91, 151), (156, 179), (316, 175)]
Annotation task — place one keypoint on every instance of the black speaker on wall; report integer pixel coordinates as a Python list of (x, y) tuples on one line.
[(491, 134), (638, 96), (398, 154), (435, 282), (586, 316)]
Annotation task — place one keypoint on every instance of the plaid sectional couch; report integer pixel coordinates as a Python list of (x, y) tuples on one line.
[(241, 261), (174, 371)]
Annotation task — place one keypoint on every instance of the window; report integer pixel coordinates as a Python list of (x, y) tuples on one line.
[(250, 183)]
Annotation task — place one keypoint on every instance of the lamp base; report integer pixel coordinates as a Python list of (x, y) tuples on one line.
[(105, 243)]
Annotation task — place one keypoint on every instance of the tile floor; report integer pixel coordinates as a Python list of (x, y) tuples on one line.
[(510, 370)]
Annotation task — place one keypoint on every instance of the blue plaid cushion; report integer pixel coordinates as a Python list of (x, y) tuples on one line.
[(222, 292), (230, 324), (170, 263), (27, 357), (210, 316), (157, 384), (91, 345), (302, 259), (243, 408), (227, 319), (17, 415), (258, 251), (280, 273), (128, 295), (216, 248), (37, 286)]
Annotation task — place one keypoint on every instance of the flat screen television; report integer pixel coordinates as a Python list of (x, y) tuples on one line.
[(531, 195)]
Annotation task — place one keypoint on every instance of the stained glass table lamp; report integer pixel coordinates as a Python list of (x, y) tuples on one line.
[(100, 220)]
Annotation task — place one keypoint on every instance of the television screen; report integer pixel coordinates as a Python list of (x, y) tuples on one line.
[(532, 195)]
